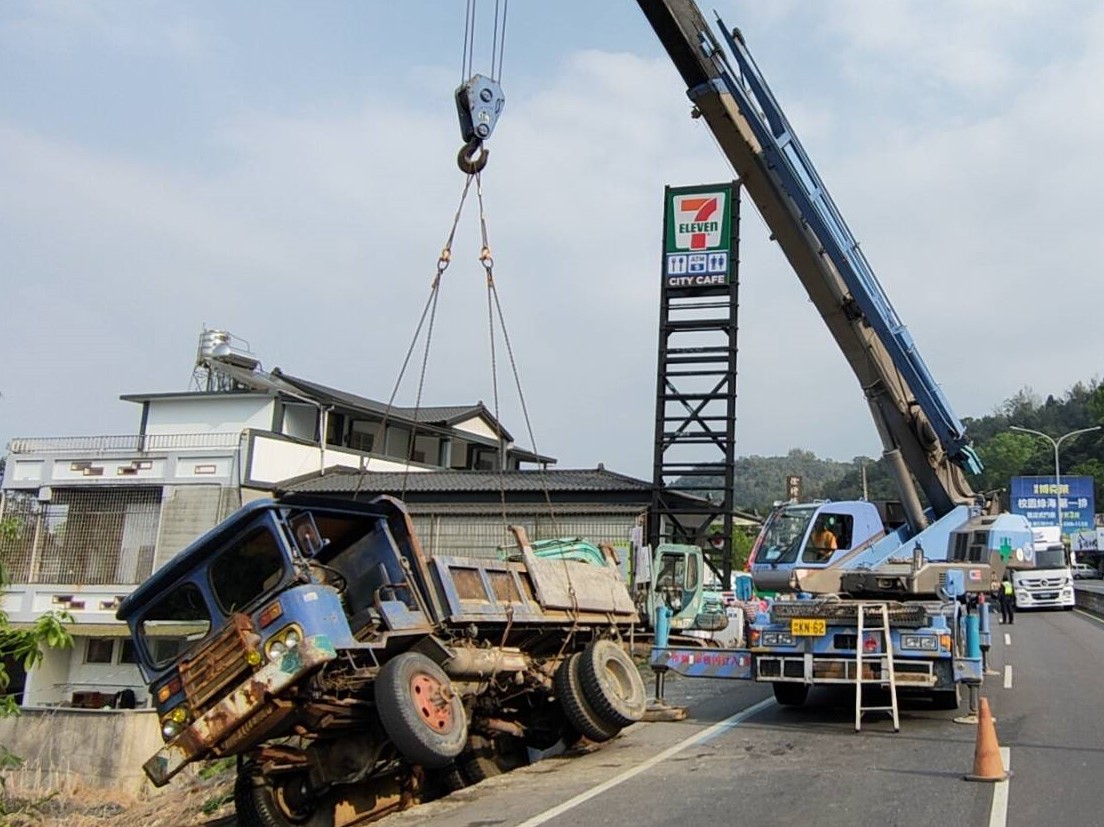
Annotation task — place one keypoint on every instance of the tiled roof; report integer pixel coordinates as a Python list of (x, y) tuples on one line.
[(444, 415), (346, 481)]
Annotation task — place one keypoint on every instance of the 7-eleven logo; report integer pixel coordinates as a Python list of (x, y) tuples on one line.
[(698, 220)]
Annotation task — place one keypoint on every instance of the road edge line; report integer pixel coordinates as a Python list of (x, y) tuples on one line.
[(717, 729)]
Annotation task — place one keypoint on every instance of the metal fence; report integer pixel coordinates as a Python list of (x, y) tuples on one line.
[(122, 442), (82, 536)]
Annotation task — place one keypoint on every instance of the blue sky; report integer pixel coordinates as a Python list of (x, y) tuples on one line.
[(285, 171)]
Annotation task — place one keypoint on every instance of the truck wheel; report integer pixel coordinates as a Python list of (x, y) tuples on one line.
[(487, 757), (575, 706), (444, 781), (790, 694), (420, 712), (266, 802), (611, 683)]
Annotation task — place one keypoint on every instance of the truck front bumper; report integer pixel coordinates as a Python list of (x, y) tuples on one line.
[(238, 707), (1043, 598)]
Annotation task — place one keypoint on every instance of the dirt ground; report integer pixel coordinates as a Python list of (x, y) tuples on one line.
[(199, 801)]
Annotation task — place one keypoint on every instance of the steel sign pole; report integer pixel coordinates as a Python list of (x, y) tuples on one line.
[(1057, 468)]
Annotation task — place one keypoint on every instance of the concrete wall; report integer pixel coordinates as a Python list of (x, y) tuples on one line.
[(210, 414), (187, 511), (1090, 597), (67, 749)]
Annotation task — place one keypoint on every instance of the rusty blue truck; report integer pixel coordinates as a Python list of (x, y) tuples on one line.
[(350, 671)]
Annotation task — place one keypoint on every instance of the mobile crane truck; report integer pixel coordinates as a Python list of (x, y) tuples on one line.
[(898, 591)]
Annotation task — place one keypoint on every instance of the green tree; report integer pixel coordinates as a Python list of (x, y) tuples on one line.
[(26, 646), (1004, 456), (741, 548)]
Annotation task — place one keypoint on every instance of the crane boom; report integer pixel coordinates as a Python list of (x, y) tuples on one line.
[(921, 437)]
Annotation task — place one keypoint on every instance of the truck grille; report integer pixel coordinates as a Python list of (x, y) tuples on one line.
[(213, 669), (835, 611)]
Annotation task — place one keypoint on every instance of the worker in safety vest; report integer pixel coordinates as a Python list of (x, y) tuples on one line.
[(1007, 601)]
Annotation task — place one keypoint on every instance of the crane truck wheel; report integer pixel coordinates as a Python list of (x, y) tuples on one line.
[(790, 694), (612, 684), (420, 711), (280, 802), (579, 713)]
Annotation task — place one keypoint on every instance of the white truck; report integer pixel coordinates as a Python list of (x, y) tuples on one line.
[(1050, 583)]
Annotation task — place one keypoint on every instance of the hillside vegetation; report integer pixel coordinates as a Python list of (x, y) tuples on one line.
[(761, 481)]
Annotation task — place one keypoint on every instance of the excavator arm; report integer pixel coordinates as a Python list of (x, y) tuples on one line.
[(922, 439)]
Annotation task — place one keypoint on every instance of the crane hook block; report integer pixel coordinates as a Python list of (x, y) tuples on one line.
[(479, 102), (472, 157)]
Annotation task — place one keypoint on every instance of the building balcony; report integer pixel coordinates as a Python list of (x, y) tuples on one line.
[(113, 443)]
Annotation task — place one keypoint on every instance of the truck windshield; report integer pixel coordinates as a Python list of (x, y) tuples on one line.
[(1051, 558), (783, 534), (247, 570), (174, 624), (675, 572)]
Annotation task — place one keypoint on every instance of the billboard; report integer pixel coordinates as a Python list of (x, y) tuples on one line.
[(698, 238), (1036, 498)]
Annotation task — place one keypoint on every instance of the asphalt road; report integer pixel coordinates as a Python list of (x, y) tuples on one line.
[(741, 759)]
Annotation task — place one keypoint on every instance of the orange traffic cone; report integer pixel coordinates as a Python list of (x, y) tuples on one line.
[(988, 765)]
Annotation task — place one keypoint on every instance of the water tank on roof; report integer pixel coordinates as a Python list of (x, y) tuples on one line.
[(209, 340), (239, 358)]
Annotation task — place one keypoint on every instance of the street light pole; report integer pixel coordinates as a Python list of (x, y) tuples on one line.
[(1057, 467)]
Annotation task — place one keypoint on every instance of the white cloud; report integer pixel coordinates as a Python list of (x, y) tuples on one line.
[(62, 27)]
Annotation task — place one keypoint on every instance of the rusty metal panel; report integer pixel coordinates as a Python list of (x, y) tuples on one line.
[(219, 661), (239, 706), (482, 589), (504, 587), (468, 583)]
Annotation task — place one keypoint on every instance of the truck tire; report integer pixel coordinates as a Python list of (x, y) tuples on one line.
[(579, 713), (790, 694), (420, 712), (445, 781), (487, 757), (612, 684), (265, 802)]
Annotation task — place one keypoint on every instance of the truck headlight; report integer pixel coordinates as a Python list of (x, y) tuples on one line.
[(173, 722), (925, 643), (777, 639), (283, 641)]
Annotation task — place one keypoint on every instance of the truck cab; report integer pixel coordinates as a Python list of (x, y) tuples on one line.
[(1050, 582), (791, 544)]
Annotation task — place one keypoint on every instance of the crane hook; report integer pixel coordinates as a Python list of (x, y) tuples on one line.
[(472, 156)]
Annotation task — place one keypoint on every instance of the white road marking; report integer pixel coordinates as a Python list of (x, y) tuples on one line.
[(998, 813), (1083, 613), (1008, 676), (705, 735), (1007, 639)]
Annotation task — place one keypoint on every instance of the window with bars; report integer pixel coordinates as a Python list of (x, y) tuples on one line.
[(18, 519), (82, 536)]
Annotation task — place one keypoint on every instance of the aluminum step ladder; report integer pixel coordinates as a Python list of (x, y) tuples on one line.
[(887, 676)]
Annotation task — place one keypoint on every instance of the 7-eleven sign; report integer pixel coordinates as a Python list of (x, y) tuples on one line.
[(698, 220), (698, 236)]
